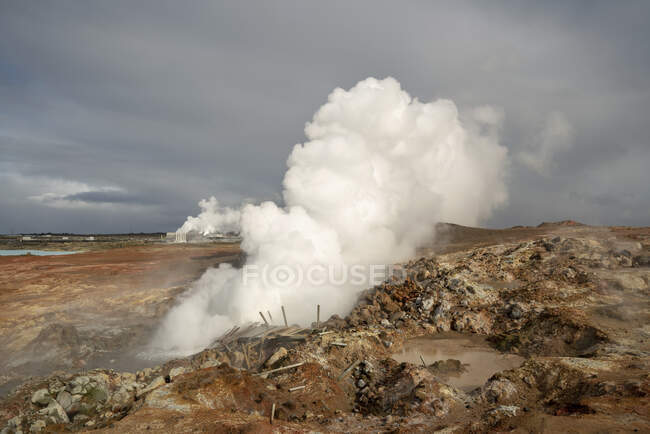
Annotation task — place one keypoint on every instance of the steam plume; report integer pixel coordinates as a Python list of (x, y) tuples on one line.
[(213, 218), (378, 171)]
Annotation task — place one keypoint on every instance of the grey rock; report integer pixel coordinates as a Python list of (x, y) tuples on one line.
[(500, 390), (516, 311), (57, 412), (121, 399), (361, 383), (64, 398), (37, 426), (427, 304), (15, 422), (156, 383), (41, 397), (441, 310), (175, 372)]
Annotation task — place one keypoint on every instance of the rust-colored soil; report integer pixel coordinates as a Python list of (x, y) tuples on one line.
[(65, 310)]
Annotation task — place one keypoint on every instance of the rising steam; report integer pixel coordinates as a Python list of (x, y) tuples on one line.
[(213, 218), (378, 171)]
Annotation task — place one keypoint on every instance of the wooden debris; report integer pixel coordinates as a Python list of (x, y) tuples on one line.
[(347, 370), (265, 321), (293, 389), (338, 344), (272, 412), (284, 315), (284, 368), (423, 362), (245, 351)]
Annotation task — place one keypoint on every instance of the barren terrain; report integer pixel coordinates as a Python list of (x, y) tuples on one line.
[(90, 309), (568, 305)]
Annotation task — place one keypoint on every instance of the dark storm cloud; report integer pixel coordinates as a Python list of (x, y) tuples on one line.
[(136, 110)]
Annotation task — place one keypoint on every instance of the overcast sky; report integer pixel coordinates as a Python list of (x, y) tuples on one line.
[(120, 116)]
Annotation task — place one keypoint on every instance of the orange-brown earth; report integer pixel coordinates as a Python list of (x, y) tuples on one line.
[(89, 308), (572, 301)]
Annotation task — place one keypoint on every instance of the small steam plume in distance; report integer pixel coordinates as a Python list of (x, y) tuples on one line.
[(378, 170)]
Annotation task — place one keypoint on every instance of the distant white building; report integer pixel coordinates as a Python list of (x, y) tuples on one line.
[(197, 237), (181, 237)]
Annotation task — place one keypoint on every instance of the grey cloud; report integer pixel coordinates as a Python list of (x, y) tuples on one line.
[(175, 102), (107, 197)]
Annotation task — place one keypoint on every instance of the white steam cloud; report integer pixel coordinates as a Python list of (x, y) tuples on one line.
[(378, 171), (213, 218)]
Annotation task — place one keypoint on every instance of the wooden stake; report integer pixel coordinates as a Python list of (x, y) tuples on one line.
[(293, 389), (245, 351), (269, 314), (347, 370), (284, 315), (280, 369), (265, 321), (423, 363), (272, 412), (318, 316)]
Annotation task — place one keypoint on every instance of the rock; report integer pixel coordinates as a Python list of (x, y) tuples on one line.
[(157, 382), (384, 322), (175, 372), (278, 355), (122, 399), (15, 422), (64, 398), (210, 364), (496, 415), (55, 410), (81, 418), (500, 390), (427, 304), (361, 384), (37, 426), (41, 397), (516, 311), (441, 310), (397, 316)]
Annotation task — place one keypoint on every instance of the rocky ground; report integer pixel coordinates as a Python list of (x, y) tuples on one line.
[(574, 301), (90, 309)]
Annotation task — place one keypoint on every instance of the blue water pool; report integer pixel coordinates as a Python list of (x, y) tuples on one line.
[(34, 252)]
